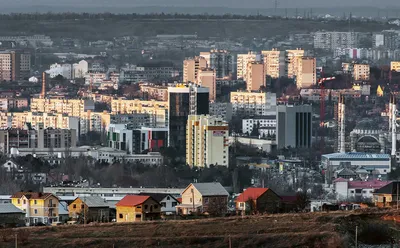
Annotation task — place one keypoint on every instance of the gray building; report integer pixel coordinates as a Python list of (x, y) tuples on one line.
[(294, 126)]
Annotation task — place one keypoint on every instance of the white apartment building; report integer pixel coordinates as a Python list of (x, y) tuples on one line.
[(253, 103), (207, 141), (64, 70), (242, 61), (80, 69), (333, 40), (274, 63), (221, 61), (266, 125)]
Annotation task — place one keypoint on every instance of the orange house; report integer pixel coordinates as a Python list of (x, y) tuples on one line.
[(133, 208)]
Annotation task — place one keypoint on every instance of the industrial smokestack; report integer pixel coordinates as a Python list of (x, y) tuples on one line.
[(394, 128), (342, 126), (43, 93)]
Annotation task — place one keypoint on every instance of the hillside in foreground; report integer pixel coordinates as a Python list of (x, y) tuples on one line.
[(328, 230)]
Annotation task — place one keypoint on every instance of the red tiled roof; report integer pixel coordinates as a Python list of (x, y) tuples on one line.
[(251, 193), (179, 199), (31, 195), (132, 200), (374, 184)]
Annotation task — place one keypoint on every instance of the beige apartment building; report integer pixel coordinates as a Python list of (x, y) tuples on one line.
[(274, 63), (72, 107), (158, 110), (191, 67), (155, 92), (14, 65), (395, 66), (307, 73), (293, 59), (253, 103), (255, 76), (242, 62), (207, 141), (207, 78), (361, 72)]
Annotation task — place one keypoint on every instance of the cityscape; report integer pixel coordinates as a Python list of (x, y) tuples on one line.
[(200, 130)]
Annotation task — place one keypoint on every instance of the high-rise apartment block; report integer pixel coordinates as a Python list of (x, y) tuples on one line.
[(255, 76), (207, 78), (184, 100), (207, 141), (334, 40), (72, 107), (395, 66), (306, 75), (274, 63), (253, 103), (293, 60), (14, 65), (361, 72), (242, 61), (294, 126), (191, 67), (221, 61)]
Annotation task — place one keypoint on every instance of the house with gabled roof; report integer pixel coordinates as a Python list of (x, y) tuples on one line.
[(134, 208), (167, 201), (258, 200), (204, 198), (388, 195), (89, 208), (38, 207)]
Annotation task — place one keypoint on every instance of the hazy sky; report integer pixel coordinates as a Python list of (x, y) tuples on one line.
[(203, 3)]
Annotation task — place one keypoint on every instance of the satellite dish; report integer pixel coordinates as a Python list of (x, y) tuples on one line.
[(351, 179)]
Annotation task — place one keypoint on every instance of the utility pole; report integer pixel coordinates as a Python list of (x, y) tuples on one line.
[(397, 196), (356, 236), (230, 241), (16, 240)]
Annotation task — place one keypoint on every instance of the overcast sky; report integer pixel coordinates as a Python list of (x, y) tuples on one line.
[(204, 3)]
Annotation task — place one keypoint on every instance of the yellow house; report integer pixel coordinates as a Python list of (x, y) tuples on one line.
[(89, 208), (38, 207), (134, 208)]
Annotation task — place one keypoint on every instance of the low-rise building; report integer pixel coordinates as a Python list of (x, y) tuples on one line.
[(134, 208), (387, 196), (12, 104), (168, 202), (258, 200), (265, 125), (89, 208), (10, 215), (209, 198), (349, 190)]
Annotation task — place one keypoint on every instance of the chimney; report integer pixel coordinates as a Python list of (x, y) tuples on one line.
[(43, 93), (342, 125), (394, 128)]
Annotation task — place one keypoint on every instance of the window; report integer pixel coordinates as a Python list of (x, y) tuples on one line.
[(138, 216), (19, 201), (121, 216), (35, 202), (163, 204), (138, 206), (82, 206), (24, 201), (168, 198), (35, 211), (74, 206), (206, 200), (145, 206), (191, 200), (242, 204), (155, 206), (174, 204)]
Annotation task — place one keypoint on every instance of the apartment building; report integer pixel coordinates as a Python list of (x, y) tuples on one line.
[(72, 107), (253, 103), (40, 138), (266, 125), (65, 70), (207, 139), (221, 109), (306, 73), (7, 104), (242, 61), (155, 92), (255, 76), (220, 60), (274, 63), (14, 65), (293, 60), (191, 67), (361, 72), (395, 66), (158, 110), (207, 78), (333, 40)]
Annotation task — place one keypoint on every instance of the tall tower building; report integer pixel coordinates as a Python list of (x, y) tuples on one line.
[(207, 78), (255, 76), (221, 61), (274, 63), (242, 61), (306, 75), (294, 126), (341, 124), (207, 140), (184, 100), (191, 66), (14, 65), (293, 59), (361, 72)]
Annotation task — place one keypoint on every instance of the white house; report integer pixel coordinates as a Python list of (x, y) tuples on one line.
[(168, 202), (266, 125), (346, 189), (10, 166)]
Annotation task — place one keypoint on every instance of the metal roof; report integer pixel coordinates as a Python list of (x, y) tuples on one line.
[(211, 189), (94, 201), (6, 208), (356, 156)]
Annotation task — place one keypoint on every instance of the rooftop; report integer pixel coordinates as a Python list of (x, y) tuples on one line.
[(132, 200), (6, 208), (251, 194), (356, 156), (210, 189)]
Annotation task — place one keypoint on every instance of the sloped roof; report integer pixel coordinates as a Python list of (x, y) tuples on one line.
[(390, 188), (251, 194), (158, 196), (32, 195), (357, 156), (62, 208), (346, 172), (94, 201), (132, 200), (373, 184), (7, 208), (210, 189)]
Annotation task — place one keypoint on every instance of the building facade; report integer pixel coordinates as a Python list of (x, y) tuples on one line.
[(191, 67), (274, 63), (255, 76), (207, 141), (221, 61), (306, 75), (253, 103), (14, 65), (207, 78), (242, 61)]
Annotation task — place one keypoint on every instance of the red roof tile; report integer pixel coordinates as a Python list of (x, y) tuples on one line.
[(179, 199), (251, 193), (373, 184), (132, 200)]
